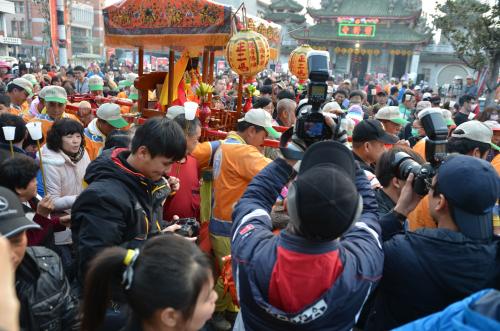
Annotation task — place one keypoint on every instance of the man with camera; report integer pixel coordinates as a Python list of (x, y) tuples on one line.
[(368, 143), (426, 270), (318, 272), (389, 176)]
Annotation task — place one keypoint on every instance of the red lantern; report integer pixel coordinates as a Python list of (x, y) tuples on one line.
[(297, 62), (248, 53)]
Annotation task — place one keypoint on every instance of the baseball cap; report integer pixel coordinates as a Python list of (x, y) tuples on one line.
[(369, 130), (417, 88), (110, 112), (381, 94), (472, 188), (476, 131), (427, 96), (331, 107), (131, 78), (261, 118), (174, 111), (124, 83), (494, 125), (421, 105), (134, 94), (448, 118), (24, 84), (96, 83), (324, 201), (30, 78), (55, 94), (390, 113), (12, 217)]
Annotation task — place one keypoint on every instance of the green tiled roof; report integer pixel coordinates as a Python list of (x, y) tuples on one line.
[(367, 8), (290, 5), (396, 34), (281, 17)]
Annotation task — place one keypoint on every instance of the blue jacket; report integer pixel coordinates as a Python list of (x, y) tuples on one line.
[(287, 282), (429, 269), (478, 312)]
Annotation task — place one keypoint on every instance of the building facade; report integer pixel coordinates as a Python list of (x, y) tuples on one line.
[(28, 29), (7, 41), (439, 65), (288, 14), (376, 37)]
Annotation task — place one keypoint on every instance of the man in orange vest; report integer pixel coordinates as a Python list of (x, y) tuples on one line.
[(55, 103), (108, 119), (19, 90)]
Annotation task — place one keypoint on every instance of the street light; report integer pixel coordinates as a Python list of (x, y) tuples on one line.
[(356, 44)]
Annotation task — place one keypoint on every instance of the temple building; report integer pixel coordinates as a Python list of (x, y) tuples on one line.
[(383, 38), (288, 14)]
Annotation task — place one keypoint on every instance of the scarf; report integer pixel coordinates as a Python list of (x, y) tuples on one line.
[(75, 158)]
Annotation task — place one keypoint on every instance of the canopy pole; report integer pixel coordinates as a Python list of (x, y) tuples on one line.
[(171, 73), (141, 61), (205, 66), (240, 98), (143, 95), (211, 73)]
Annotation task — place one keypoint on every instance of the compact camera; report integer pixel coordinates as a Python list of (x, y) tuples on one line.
[(189, 227)]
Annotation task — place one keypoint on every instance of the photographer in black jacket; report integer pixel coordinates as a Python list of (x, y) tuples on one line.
[(42, 288), (388, 176), (426, 270)]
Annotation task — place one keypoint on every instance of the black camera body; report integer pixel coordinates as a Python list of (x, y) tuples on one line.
[(310, 126), (404, 165), (437, 137), (435, 153), (189, 227)]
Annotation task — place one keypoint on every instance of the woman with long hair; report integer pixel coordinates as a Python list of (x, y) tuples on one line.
[(168, 285)]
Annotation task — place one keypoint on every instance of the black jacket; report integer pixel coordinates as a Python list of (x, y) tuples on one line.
[(427, 270), (119, 207), (44, 293), (5, 152), (385, 203)]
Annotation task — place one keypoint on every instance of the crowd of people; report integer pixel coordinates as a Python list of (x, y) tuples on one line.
[(94, 213)]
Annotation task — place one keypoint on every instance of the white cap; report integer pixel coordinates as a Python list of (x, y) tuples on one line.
[(390, 113), (331, 107), (261, 118), (476, 131), (423, 105), (110, 112), (426, 95), (174, 111)]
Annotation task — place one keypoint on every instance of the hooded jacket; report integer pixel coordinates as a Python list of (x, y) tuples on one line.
[(44, 293), (427, 270), (119, 207), (288, 282)]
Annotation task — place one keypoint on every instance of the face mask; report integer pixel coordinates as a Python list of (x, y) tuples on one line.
[(494, 117), (414, 132)]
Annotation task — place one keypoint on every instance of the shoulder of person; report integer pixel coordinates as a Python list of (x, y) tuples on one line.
[(51, 157), (47, 261)]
